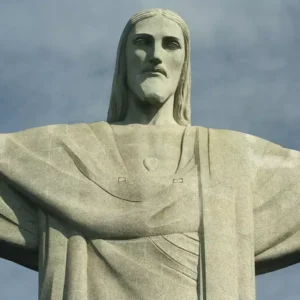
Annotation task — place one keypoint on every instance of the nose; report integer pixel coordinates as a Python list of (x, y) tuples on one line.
[(156, 57), (155, 61)]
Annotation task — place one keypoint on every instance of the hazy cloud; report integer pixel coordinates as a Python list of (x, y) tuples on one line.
[(57, 61)]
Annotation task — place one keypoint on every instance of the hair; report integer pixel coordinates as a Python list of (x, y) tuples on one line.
[(119, 94)]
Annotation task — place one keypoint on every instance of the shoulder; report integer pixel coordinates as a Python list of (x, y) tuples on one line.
[(234, 140), (41, 135), (38, 131), (54, 130)]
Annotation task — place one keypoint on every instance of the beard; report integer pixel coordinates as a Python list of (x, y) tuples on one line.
[(153, 91), (150, 101), (155, 99)]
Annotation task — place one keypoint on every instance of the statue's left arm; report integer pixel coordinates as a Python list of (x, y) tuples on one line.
[(18, 220), (276, 208)]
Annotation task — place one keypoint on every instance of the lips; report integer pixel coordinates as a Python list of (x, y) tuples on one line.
[(155, 70)]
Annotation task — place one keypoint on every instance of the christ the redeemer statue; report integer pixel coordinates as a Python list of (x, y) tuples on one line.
[(145, 206)]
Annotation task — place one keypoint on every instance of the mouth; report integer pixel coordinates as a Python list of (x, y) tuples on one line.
[(156, 71)]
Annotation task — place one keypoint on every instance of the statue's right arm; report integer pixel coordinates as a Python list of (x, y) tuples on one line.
[(18, 220)]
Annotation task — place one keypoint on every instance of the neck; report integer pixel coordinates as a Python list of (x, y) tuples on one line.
[(149, 114)]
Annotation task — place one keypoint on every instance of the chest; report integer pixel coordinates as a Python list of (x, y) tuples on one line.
[(149, 151)]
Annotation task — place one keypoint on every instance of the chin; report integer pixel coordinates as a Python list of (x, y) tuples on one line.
[(154, 99)]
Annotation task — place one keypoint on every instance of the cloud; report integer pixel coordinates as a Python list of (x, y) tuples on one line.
[(57, 61)]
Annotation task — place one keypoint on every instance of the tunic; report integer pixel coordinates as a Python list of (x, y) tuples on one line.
[(149, 245), (153, 266), (71, 209)]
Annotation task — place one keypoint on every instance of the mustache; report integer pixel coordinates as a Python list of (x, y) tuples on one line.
[(155, 69)]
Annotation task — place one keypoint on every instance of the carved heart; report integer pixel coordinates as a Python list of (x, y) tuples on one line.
[(150, 163)]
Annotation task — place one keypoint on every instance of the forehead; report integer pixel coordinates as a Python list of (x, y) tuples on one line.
[(157, 26)]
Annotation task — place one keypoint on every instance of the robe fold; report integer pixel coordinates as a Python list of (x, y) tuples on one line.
[(52, 176)]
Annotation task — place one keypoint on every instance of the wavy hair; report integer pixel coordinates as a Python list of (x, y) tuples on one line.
[(119, 93)]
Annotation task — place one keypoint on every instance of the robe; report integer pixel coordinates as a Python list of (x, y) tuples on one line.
[(52, 176)]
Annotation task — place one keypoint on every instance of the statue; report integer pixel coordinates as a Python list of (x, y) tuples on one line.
[(146, 206)]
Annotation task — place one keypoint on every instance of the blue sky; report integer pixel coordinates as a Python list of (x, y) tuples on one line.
[(57, 59)]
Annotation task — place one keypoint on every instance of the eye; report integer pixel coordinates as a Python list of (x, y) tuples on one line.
[(141, 41), (172, 44)]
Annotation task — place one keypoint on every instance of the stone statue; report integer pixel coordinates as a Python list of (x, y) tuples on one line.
[(146, 206)]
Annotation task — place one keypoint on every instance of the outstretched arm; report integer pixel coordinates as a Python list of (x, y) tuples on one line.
[(18, 224), (277, 209)]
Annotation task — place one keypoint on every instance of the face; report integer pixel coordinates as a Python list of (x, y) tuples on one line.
[(154, 56)]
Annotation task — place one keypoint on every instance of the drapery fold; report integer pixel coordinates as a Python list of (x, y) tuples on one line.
[(248, 188)]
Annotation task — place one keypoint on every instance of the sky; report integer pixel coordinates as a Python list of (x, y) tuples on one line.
[(57, 60)]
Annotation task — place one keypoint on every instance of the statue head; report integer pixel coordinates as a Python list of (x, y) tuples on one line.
[(174, 73)]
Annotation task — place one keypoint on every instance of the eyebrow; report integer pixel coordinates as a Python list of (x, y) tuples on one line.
[(151, 36)]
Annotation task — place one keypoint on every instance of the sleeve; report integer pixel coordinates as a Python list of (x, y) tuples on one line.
[(18, 223), (276, 208)]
